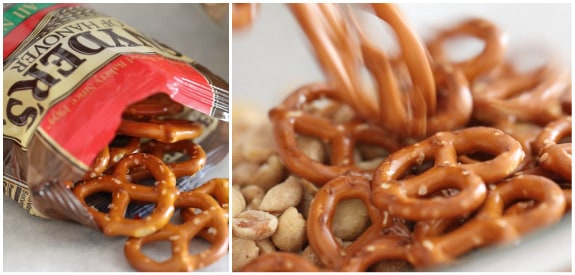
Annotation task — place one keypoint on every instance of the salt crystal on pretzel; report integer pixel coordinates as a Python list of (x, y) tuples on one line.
[(554, 156), (212, 221), (163, 194), (432, 246)]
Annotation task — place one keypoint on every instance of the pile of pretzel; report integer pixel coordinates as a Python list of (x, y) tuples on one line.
[(132, 171), (444, 157)]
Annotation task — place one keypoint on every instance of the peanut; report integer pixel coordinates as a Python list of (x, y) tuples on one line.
[(254, 225), (290, 235), (282, 196)]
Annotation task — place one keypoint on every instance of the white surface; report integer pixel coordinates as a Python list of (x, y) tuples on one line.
[(272, 58), (35, 244)]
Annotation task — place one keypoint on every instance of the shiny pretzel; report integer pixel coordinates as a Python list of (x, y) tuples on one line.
[(491, 56), (408, 197), (211, 219), (320, 216), (337, 51), (533, 96), (382, 249), (99, 165), (280, 262), (111, 155), (524, 132), (406, 113), (114, 222), (157, 105), (219, 189), (553, 155), (167, 130), (290, 118), (491, 224), (193, 159), (331, 31)]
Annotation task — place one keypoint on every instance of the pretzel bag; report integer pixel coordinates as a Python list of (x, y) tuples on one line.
[(69, 73)]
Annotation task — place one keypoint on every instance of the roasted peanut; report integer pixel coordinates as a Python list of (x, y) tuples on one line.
[(283, 196), (312, 147), (350, 219), (254, 225), (243, 252), (253, 195), (290, 235), (238, 202), (268, 174), (266, 246)]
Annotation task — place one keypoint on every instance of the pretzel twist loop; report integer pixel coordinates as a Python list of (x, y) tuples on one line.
[(153, 106), (533, 96), (493, 51), (217, 188), (554, 156), (194, 157), (290, 118), (212, 221), (388, 248), (321, 212), (404, 197), (491, 224), (163, 130), (163, 194), (280, 262)]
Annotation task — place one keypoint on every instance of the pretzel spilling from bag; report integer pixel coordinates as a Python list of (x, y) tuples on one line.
[(138, 174)]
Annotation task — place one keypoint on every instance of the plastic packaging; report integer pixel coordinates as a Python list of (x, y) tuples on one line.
[(69, 72)]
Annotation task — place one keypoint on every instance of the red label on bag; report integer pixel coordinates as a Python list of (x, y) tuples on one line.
[(90, 112), (69, 72)]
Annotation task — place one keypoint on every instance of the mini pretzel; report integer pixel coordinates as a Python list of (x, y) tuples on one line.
[(524, 132), (555, 157), (413, 52), (320, 216), (154, 106), (454, 101), (280, 262), (289, 119), (337, 50), (408, 197), (163, 194), (99, 165), (123, 146), (404, 197), (212, 218), (525, 97), (388, 248), (490, 225), (165, 130), (217, 188), (492, 54), (406, 113), (109, 156), (321, 212), (194, 162)]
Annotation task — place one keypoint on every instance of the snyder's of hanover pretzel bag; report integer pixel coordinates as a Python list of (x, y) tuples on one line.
[(69, 73)]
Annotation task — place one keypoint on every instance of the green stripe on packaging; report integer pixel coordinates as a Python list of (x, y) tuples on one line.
[(18, 13)]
